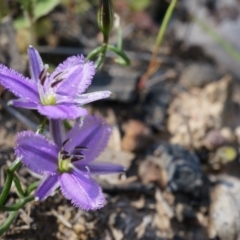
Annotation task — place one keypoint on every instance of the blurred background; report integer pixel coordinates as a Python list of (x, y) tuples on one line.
[(176, 129)]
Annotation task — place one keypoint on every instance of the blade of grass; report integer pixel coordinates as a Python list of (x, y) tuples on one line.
[(153, 65), (233, 52)]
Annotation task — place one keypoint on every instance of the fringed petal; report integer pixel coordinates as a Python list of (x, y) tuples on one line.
[(18, 84), (77, 75), (36, 152), (62, 111), (98, 168), (92, 133), (91, 97), (83, 191)]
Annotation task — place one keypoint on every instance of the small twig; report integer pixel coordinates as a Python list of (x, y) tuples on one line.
[(68, 51), (161, 78), (61, 219)]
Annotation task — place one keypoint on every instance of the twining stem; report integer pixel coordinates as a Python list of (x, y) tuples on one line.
[(31, 187), (18, 186), (94, 53), (15, 207), (10, 174), (18, 205), (119, 42), (14, 166), (41, 126), (6, 189), (122, 56), (25, 196), (153, 64), (8, 222), (101, 56)]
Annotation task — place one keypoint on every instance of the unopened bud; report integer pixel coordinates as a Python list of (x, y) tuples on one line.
[(105, 17)]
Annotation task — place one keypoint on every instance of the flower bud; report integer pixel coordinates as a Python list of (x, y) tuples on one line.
[(105, 17)]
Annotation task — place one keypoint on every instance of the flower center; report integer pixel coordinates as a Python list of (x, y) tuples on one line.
[(65, 159), (46, 88), (48, 99), (64, 165)]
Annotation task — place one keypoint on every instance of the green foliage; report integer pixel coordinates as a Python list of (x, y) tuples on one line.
[(43, 7), (138, 5), (34, 9), (28, 6), (3, 9), (79, 7)]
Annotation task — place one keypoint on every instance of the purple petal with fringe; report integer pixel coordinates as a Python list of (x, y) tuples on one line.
[(94, 134), (66, 163), (82, 190), (37, 152), (18, 84), (91, 97), (62, 111), (99, 168), (78, 75), (57, 95)]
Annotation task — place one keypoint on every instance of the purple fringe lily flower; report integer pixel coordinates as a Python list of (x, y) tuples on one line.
[(68, 161), (57, 95)]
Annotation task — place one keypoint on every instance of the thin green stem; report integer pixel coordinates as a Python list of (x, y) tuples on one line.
[(67, 125), (18, 205), (99, 60), (6, 189), (101, 55), (14, 166), (41, 126), (163, 27), (123, 57), (10, 170), (153, 65), (18, 185), (10, 178), (32, 187), (8, 222), (94, 53), (119, 42)]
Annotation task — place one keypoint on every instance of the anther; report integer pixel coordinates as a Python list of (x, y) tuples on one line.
[(65, 157), (64, 152), (43, 75), (65, 142), (80, 148), (79, 155), (58, 75), (54, 84)]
